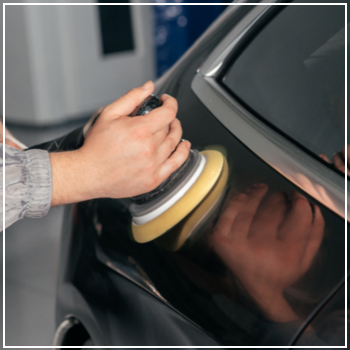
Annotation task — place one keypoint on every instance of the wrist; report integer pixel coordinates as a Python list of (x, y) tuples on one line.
[(67, 178)]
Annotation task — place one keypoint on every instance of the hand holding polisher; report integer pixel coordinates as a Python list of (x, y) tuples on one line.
[(157, 211)]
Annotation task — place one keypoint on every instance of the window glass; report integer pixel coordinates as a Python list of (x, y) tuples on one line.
[(292, 74)]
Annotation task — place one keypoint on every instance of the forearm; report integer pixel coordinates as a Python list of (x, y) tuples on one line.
[(70, 178)]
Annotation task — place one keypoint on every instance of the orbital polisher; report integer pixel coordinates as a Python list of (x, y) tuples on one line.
[(186, 197)]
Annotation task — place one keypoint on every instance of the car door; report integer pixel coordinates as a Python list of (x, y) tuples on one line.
[(266, 288)]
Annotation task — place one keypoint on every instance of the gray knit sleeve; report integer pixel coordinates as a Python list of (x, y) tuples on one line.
[(28, 184)]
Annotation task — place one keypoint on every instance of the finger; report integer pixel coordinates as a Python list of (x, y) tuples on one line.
[(297, 224), (161, 135), (243, 221), (269, 217), (128, 102), (315, 240), (324, 157), (171, 140), (174, 161), (162, 116), (338, 162), (226, 219)]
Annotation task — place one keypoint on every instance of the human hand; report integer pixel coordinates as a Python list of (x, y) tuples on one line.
[(122, 156), (268, 246)]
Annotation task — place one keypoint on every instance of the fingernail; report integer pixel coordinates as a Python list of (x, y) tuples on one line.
[(146, 86)]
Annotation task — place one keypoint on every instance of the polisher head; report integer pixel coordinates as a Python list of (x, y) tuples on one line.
[(190, 228), (151, 223)]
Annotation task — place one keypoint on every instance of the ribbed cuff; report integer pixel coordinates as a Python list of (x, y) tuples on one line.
[(39, 182)]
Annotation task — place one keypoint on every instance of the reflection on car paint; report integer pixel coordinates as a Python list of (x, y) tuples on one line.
[(220, 279)]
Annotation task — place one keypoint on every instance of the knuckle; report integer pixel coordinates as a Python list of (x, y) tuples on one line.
[(170, 111), (140, 133), (171, 144), (152, 183), (106, 112), (133, 94), (148, 169), (148, 151)]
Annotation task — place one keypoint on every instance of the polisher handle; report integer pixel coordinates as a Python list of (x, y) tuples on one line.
[(150, 103)]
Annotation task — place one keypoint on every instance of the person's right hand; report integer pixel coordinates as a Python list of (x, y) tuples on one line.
[(122, 156)]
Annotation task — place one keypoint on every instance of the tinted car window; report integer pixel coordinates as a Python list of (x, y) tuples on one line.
[(292, 74)]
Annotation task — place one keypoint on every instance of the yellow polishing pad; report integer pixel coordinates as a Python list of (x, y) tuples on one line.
[(205, 182), (177, 236)]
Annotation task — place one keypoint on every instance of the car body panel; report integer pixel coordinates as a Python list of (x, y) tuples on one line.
[(126, 293)]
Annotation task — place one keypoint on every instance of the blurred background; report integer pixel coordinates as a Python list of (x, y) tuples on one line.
[(62, 62)]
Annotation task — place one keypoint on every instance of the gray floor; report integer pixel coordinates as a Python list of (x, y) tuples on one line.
[(31, 256)]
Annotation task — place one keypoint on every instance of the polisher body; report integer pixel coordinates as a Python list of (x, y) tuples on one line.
[(192, 185)]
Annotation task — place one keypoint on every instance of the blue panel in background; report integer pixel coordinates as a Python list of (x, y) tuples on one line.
[(177, 27)]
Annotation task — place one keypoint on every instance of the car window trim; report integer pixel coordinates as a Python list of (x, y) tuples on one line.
[(299, 167)]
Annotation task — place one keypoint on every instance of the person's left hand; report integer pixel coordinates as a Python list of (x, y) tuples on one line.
[(268, 246)]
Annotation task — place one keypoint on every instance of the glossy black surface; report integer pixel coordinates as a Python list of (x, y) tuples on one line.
[(126, 293)]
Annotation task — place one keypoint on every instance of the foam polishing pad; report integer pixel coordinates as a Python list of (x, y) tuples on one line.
[(153, 229), (198, 218)]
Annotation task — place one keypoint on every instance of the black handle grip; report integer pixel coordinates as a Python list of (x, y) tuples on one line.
[(150, 103)]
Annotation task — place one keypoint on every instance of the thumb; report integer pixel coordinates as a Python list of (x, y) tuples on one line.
[(128, 102)]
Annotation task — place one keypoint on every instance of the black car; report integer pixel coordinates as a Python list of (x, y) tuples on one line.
[(265, 85)]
